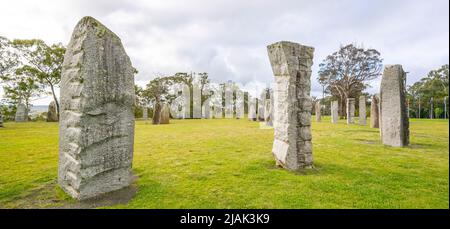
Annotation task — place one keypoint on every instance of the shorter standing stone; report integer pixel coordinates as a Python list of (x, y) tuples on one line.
[(165, 115), (21, 113), (350, 110), (318, 114), (362, 110), (52, 115), (145, 113), (334, 112), (374, 112), (156, 114)]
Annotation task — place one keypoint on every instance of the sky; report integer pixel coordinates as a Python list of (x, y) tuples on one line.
[(228, 39)]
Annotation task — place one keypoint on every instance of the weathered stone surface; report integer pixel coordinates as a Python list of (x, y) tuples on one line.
[(334, 112), (228, 100), (97, 118), (291, 65), (362, 110), (317, 110), (251, 108), (394, 123), (165, 114), (374, 112), (156, 114), (240, 104), (21, 113), (196, 101), (206, 109), (145, 113), (350, 110), (186, 101), (268, 113), (52, 115)]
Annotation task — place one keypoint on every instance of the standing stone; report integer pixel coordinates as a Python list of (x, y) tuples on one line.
[(350, 110), (186, 104), (334, 112), (268, 113), (228, 100), (394, 119), (52, 115), (1, 117), (206, 109), (165, 114), (251, 108), (21, 113), (362, 110), (318, 114), (240, 104), (145, 113), (374, 112), (97, 119), (196, 101), (156, 113), (291, 65)]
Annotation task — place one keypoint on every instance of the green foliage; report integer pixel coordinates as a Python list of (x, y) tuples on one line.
[(433, 86)]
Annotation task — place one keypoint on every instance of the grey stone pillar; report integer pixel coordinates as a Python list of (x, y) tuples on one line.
[(291, 65), (21, 113), (317, 110), (362, 110), (97, 119), (52, 115), (374, 112), (334, 112), (350, 110), (394, 120)]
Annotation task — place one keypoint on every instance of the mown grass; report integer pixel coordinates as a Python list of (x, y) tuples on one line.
[(228, 164)]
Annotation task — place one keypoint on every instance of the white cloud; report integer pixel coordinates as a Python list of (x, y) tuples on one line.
[(228, 39)]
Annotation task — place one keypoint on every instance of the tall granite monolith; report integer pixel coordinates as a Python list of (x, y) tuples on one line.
[(334, 112), (52, 114), (145, 113), (156, 114), (317, 111), (165, 114), (350, 110), (97, 119), (394, 122), (374, 112), (291, 65), (268, 119), (21, 113), (362, 110)]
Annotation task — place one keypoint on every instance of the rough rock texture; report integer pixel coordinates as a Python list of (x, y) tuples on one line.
[(350, 110), (186, 101), (251, 108), (362, 110), (374, 112), (394, 119), (52, 115), (228, 100), (97, 119), (156, 114), (334, 112), (165, 114), (145, 113), (317, 110), (196, 101), (240, 104), (21, 113), (268, 113), (291, 65), (1, 119)]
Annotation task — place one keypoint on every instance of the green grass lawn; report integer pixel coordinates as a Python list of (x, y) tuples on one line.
[(228, 164)]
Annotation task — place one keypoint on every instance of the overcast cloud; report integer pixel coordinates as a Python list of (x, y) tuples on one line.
[(228, 39)]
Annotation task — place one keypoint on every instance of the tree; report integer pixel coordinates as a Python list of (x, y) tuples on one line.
[(43, 62), (345, 73), (8, 58), (435, 85), (20, 87)]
